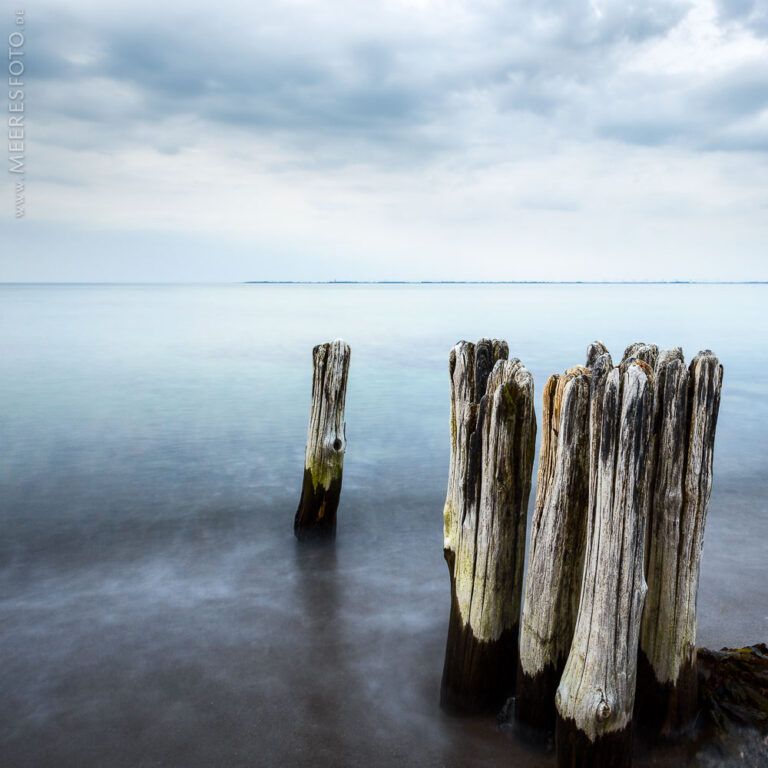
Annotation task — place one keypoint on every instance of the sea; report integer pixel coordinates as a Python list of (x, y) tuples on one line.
[(155, 608)]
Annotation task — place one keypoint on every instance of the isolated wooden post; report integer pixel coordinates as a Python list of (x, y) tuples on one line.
[(685, 416), (493, 431), (326, 443), (596, 694), (556, 551)]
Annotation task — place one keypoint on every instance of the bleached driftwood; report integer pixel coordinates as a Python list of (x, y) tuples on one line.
[(556, 551), (493, 432), (685, 417), (596, 694), (326, 443)]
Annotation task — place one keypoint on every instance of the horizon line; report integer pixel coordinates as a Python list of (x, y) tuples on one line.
[(385, 282), (505, 282)]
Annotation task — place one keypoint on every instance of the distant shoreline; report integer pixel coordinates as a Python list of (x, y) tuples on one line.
[(506, 282), (391, 282)]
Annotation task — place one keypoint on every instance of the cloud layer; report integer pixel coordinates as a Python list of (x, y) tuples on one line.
[(410, 139)]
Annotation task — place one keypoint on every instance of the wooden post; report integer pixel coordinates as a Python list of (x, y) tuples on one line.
[(556, 551), (465, 387), (493, 433), (596, 694), (647, 353), (685, 416), (594, 351), (326, 443)]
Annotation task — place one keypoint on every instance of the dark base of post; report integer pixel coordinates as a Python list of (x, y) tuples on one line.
[(665, 711), (478, 676), (316, 516), (575, 750), (535, 711)]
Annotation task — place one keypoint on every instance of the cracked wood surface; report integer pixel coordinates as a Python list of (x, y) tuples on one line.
[(685, 418), (596, 692), (556, 551)]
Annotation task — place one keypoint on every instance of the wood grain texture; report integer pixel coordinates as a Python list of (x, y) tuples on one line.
[(486, 508), (596, 694), (686, 406), (556, 551), (647, 353), (595, 350), (326, 443)]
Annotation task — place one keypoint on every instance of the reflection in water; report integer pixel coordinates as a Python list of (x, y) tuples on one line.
[(324, 683)]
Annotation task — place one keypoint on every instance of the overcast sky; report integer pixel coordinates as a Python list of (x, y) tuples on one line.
[(406, 139)]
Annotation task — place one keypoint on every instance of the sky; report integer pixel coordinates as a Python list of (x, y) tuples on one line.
[(398, 139)]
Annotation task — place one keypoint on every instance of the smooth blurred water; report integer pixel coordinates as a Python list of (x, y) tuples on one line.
[(154, 607)]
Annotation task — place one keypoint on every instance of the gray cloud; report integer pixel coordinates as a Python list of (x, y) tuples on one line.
[(380, 93), (752, 14), (416, 138)]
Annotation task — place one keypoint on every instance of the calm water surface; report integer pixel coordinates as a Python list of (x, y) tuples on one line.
[(154, 607)]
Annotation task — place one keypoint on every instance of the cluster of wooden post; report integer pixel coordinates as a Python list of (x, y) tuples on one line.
[(625, 472), (607, 636)]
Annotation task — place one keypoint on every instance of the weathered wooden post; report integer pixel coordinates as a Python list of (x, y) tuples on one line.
[(685, 417), (647, 353), (596, 694), (493, 433), (556, 551), (595, 350), (467, 390), (326, 443)]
